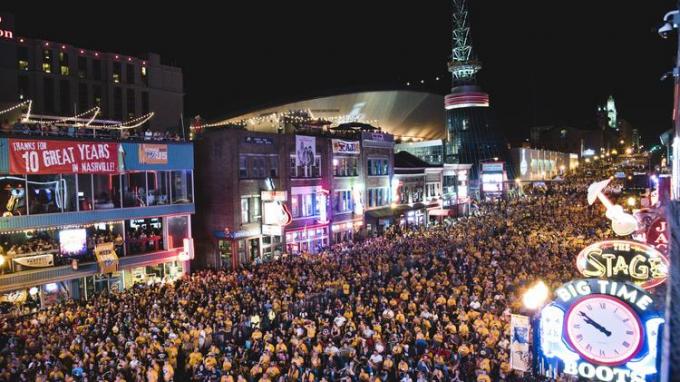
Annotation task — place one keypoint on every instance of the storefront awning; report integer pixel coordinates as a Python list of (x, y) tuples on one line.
[(396, 211)]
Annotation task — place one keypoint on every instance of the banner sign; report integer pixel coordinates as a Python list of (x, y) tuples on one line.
[(258, 140), (274, 196), (34, 156), (305, 150), (345, 147), (624, 260), (106, 257), (153, 154), (38, 261), (493, 167), (600, 330), (520, 358)]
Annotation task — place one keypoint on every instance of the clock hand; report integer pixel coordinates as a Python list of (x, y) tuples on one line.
[(597, 326)]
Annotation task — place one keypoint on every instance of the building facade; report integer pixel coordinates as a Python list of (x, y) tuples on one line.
[(267, 194), (537, 164), (83, 215), (62, 79)]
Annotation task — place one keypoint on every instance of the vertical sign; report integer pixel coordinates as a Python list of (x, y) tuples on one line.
[(519, 343)]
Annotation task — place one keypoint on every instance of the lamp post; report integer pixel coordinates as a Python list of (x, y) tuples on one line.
[(533, 300)]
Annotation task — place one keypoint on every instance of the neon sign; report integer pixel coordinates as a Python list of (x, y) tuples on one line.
[(600, 329), (4, 33), (624, 260)]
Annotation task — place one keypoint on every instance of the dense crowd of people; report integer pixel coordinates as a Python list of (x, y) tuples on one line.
[(421, 304)]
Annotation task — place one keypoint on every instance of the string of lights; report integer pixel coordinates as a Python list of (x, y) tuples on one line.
[(294, 116), (17, 106), (60, 227)]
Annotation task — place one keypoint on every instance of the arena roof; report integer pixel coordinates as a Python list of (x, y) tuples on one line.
[(403, 113)]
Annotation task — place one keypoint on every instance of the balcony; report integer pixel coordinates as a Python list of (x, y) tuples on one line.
[(92, 216), (32, 278)]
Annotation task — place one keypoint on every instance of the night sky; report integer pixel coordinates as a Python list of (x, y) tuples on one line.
[(544, 62)]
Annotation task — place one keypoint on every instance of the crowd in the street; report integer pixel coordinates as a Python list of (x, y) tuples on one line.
[(421, 304)]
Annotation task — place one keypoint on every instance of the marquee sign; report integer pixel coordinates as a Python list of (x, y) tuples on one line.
[(624, 260), (602, 330), (35, 156)]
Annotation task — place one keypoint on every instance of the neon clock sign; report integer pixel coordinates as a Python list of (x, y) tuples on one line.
[(602, 330)]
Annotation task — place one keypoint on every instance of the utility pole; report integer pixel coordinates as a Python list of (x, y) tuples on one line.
[(670, 361)]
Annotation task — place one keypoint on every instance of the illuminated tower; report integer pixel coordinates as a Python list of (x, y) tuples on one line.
[(611, 113), (472, 134)]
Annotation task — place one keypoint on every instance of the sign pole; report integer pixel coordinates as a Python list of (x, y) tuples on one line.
[(670, 368)]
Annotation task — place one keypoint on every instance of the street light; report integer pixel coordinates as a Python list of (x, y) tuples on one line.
[(535, 296), (631, 201)]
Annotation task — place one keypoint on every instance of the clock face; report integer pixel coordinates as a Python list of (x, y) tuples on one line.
[(603, 330)]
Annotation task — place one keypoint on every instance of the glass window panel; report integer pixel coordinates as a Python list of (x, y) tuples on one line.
[(158, 188), (106, 193), (70, 192), (12, 195), (46, 194), (85, 192), (144, 235), (134, 189), (181, 186), (178, 230)]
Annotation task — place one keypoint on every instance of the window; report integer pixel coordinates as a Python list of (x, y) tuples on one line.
[(63, 64), (159, 186), (48, 89), (134, 189), (46, 194), (450, 183), (145, 76), (378, 166), (131, 103), (22, 57), (23, 88), (273, 166), (47, 61), (97, 95), (66, 107), (13, 195), (245, 211), (130, 74), (145, 102), (117, 103), (255, 210), (85, 192), (181, 182), (178, 230), (68, 181), (106, 191), (304, 205), (345, 166), (144, 235), (82, 67), (97, 70), (116, 72), (377, 197), (343, 201), (309, 171), (82, 98), (243, 166)]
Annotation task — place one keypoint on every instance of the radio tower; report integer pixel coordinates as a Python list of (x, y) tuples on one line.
[(472, 135), (463, 66)]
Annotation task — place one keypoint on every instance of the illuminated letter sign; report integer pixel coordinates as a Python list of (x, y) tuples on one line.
[(657, 235), (624, 260), (4, 33)]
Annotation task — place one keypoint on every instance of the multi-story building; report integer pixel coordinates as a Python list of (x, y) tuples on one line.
[(82, 214), (267, 193), (62, 79)]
